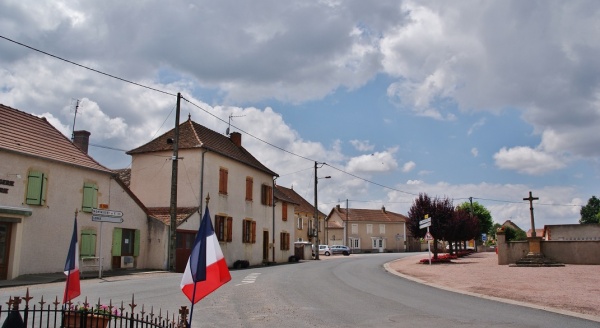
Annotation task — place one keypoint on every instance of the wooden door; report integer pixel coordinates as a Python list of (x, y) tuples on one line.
[(5, 232)]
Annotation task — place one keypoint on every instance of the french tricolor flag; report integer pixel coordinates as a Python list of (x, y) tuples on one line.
[(206, 269), (72, 289)]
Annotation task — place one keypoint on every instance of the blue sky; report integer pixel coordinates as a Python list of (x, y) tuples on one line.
[(482, 99)]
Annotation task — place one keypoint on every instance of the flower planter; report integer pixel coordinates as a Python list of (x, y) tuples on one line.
[(87, 320)]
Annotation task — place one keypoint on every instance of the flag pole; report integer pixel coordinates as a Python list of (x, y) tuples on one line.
[(195, 285)]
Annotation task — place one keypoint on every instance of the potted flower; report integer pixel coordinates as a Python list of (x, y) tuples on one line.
[(90, 317)]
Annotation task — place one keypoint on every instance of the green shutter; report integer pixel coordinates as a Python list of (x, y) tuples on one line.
[(116, 242), (90, 197), (136, 245), (88, 243), (36, 193)]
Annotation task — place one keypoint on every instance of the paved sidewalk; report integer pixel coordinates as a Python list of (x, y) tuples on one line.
[(46, 278), (572, 290)]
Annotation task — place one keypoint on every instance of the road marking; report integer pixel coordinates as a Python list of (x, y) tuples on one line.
[(249, 279)]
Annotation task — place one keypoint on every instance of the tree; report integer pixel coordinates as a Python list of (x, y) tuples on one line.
[(590, 213), (514, 235), (439, 210), (481, 213)]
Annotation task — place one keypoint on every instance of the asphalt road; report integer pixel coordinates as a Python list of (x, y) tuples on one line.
[(352, 291)]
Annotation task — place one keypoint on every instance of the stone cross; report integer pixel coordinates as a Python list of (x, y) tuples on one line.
[(531, 199)]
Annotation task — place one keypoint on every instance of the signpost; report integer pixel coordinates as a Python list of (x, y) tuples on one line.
[(101, 216), (426, 223)]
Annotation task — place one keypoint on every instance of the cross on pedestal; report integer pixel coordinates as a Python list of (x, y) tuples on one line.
[(531, 199)]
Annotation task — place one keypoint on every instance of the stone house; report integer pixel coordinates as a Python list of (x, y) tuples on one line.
[(368, 231), (239, 185), (45, 181)]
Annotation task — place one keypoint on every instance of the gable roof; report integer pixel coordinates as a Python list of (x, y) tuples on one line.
[(164, 214), (509, 223), (193, 135), (366, 215), (303, 205), (34, 136)]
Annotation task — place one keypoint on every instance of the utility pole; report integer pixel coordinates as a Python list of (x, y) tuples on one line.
[(316, 223), (173, 206)]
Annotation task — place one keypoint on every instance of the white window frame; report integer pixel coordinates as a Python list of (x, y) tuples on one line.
[(369, 229), (300, 223), (354, 228), (382, 229)]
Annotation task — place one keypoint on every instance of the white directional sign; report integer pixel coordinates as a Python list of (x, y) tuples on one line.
[(425, 223), (111, 219), (100, 212)]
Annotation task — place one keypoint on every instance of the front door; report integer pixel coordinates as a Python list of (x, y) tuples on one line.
[(185, 243), (5, 232)]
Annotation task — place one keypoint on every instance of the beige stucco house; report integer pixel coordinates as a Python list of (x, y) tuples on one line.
[(45, 181), (367, 230), (240, 189), (304, 214)]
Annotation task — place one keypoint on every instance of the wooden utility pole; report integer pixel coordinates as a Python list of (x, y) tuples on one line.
[(173, 207)]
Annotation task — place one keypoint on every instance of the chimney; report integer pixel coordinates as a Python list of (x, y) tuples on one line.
[(236, 138), (81, 139), (383, 209), (337, 206)]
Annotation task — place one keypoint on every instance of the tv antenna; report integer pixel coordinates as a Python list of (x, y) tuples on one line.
[(75, 119), (229, 126)]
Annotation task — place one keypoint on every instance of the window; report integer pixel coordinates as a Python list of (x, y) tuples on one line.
[(311, 227), (90, 197), (249, 184), (354, 228), (223, 228), (284, 211), (36, 188), (223, 173), (88, 243), (266, 195), (300, 223), (369, 229), (248, 231), (374, 243), (284, 240), (354, 242), (382, 228), (126, 242)]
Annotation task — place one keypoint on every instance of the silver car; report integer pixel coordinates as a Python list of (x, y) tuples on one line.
[(340, 249)]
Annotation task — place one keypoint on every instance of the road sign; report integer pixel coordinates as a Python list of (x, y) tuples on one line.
[(428, 236), (100, 212), (111, 219), (425, 223), (483, 237)]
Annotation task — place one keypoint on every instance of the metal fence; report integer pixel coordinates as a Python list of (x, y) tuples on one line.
[(23, 312)]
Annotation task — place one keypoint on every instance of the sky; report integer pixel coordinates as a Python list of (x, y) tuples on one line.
[(486, 100)]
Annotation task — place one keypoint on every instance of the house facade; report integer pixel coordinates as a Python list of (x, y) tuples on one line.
[(210, 164), (45, 182), (304, 216), (369, 231)]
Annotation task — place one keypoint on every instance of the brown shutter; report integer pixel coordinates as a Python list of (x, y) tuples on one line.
[(284, 211), (249, 183), (253, 232), (223, 180), (229, 229)]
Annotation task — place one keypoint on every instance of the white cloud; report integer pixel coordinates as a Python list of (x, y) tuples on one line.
[(362, 145), (476, 126), (376, 162), (527, 160), (474, 152), (408, 166)]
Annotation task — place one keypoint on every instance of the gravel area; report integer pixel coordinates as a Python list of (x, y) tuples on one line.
[(573, 288)]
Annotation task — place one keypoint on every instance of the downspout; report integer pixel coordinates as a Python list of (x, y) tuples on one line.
[(273, 203), (200, 209)]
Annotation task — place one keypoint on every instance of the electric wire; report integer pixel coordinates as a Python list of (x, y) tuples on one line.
[(86, 67)]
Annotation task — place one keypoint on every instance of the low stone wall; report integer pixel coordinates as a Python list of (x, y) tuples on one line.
[(566, 252), (572, 252)]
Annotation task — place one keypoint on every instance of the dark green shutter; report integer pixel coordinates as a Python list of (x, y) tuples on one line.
[(90, 197), (88, 243), (36, 193), (136, 245), (116, 242)]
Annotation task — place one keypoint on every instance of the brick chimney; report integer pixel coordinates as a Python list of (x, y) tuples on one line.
[(236, 138), (81, 139), (383, 209)]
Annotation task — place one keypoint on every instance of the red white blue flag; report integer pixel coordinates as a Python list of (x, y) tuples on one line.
[(72, 289), (206, 269)]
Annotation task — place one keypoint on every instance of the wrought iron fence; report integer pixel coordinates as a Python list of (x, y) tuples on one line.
[(22, 312)]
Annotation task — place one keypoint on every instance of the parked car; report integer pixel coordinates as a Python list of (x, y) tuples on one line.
[(340, 249), (324, 250)]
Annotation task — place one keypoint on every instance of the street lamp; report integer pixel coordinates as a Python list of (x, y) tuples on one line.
[(316, 224)]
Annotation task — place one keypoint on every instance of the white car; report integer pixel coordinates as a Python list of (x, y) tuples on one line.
[(340, 249), (324, 250)]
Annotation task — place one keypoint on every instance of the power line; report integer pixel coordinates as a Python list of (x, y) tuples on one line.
[(86, 67)]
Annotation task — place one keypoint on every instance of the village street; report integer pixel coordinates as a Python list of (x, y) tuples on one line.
[(338, 291)]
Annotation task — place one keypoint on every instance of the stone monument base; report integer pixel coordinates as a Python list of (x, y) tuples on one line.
[(536, 260)]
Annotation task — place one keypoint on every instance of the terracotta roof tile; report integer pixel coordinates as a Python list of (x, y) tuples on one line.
[(30, 135), (364, 215), (124, 175), (193, 135), (304, 206)]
